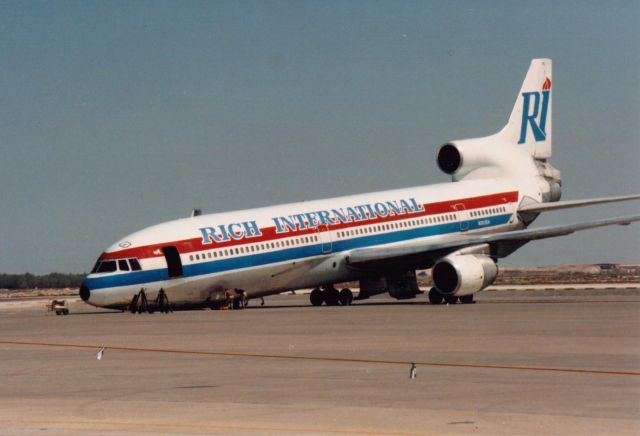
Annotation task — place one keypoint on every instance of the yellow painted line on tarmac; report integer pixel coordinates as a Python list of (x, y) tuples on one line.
[(325, 358), (204, 426)]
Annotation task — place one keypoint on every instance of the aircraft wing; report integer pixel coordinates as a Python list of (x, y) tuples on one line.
[(511, 240), (544, 207)]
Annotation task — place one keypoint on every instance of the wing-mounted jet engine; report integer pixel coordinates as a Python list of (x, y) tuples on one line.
[(460, 276)]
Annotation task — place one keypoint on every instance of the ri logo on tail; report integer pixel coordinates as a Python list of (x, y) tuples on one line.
[(535, 106)]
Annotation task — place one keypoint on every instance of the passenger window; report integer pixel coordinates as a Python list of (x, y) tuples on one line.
[(135, 265), (123, 265), (107, 266), (191, 257)]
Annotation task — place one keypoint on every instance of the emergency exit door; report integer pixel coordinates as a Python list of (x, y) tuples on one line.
[(325, 238), (462, 214)]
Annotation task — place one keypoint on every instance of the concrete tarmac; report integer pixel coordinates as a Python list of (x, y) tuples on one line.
[(526, 363)]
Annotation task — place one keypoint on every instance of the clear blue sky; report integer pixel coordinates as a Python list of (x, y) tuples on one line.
[(118, 115)]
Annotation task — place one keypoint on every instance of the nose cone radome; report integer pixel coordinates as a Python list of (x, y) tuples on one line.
[(85, 292)]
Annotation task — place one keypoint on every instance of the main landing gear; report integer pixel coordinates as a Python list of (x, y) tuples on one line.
[(331, 296), (436, 297)]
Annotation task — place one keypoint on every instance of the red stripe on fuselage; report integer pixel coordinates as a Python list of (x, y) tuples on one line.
[(269, 233)]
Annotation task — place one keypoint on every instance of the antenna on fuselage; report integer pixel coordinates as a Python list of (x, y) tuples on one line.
[(196, 212)]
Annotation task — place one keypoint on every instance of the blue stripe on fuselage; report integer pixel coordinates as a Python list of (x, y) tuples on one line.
[(293, 253)]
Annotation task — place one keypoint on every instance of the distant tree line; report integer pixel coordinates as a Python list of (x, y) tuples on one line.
[(32, 281)]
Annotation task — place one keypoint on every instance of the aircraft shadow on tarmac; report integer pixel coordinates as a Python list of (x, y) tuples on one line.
[(356, 306)]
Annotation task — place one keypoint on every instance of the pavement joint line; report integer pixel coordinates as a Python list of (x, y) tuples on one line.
[(239, 427), (325, 358)]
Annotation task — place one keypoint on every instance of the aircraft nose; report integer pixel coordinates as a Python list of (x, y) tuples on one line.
[(85, 292)]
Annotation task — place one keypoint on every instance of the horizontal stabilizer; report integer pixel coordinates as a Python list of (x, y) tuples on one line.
[(544, 207)]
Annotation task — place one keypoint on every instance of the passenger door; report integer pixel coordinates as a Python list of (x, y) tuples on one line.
[(174, 264)]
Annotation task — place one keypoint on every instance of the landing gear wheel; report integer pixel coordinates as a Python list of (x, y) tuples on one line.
[(467, 299), (450, 299), (345, 297), (435, 297), (331, 297), (316, 297)]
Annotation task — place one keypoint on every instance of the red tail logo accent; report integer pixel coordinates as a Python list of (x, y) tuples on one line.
[(546, 85)]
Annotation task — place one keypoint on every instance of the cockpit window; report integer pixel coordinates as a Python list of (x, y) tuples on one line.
[(135, 265), (107, 266)]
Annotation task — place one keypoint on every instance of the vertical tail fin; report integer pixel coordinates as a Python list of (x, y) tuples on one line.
[(530, 121)]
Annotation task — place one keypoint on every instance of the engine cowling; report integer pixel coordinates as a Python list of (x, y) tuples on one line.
[(466, 274), (485, 157), (449, 158)]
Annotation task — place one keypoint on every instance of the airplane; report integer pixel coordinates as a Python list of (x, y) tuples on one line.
[(459, 230)]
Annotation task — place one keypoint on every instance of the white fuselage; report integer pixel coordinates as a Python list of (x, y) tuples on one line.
[(293, 246)]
